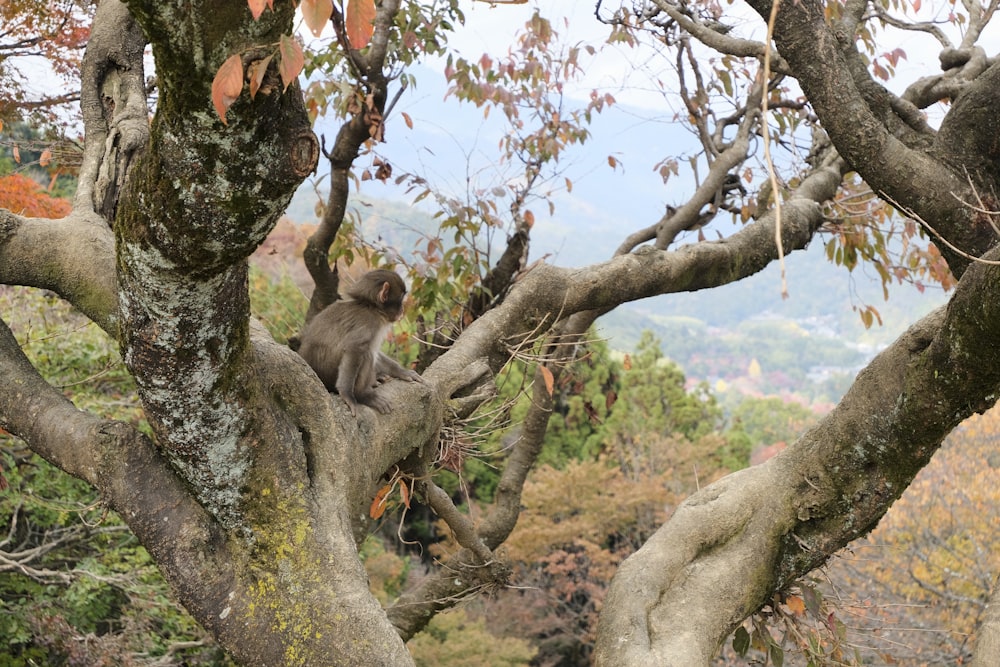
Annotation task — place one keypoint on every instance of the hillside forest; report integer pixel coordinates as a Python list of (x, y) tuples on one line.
[(637, 422)]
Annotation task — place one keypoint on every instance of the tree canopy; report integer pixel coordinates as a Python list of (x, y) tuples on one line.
[(252, 488)]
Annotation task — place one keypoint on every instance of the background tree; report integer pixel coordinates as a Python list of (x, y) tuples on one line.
[(252, 487)]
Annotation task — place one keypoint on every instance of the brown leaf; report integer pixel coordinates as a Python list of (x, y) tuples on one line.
[(627, 362), (45, 158), (359, 22), (227, 85), (610, 399), (407, 119), (17, 154)]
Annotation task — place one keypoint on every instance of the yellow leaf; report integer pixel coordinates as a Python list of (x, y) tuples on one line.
[(227, 85)]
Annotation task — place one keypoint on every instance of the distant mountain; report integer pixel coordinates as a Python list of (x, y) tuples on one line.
[(810, 344)]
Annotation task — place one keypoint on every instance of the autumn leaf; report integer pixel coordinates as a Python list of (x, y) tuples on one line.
[(256, 8), (796, 605), (17, 154), (548, 378), (378, 503), (404, 492), (257, 69), (292, 60), (45, 157), (407, 119), (227, 85), (358, 21), (529, 220), (316, 14), (627, 362)]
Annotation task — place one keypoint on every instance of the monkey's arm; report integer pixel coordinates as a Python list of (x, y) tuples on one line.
[(387, 367), (355, 381)]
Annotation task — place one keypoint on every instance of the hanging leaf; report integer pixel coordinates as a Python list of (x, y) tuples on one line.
[(378, 503), (17, 154), (407, 119), (292, 60), (227, 85), (547, 376), (316, 14), (359, 20), (257, 69), (404, 493), (257, 8), (45, 158)]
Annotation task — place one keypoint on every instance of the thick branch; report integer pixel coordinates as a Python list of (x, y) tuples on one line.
[(728, 547), (74, 257), (113, 102), (916, 179)]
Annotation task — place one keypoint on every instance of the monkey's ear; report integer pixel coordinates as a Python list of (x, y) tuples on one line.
[(383, 293)]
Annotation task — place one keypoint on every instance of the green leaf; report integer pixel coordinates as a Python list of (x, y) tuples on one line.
[(741, 641)]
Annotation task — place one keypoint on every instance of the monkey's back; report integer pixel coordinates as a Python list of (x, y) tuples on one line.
[(342, 326)]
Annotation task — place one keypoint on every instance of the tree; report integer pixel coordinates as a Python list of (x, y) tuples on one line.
[(253, 486)]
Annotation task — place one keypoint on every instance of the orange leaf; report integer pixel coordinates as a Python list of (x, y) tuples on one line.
[(358, 21), (17, 154), (378, 504), (292, 59), (45, 158), (404, 492), (316, 14), (407, 119), (256, 71), (627, 362), (550, 381), (796, 604), (227, 85), (257, 8)]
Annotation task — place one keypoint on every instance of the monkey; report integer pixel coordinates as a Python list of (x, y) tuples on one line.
[(342, 341)]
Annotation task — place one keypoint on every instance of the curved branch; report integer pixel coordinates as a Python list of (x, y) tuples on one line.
[(74, 257), (730, 546), (915, 178), (113, 102)]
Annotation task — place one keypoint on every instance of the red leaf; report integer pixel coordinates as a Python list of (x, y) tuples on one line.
[(257, 8), (227, 85), (292, 60), (316, 14), (359, 18)]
